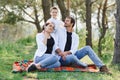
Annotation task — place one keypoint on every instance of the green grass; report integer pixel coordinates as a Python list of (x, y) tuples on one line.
[(25, 48)]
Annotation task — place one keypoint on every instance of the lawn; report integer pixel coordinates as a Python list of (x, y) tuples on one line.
[(25, 48)]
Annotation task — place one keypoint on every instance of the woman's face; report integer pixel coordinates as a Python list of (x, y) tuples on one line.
[(49, 28)]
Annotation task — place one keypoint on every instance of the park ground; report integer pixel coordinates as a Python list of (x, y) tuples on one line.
[(25, 48)]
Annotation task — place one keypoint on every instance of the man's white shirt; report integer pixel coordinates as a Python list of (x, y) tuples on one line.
[(61, 37)]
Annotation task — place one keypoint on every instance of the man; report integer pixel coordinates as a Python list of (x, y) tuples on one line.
[(68, 42)]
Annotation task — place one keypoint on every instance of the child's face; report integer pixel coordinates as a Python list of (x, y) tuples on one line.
[(54, 13)]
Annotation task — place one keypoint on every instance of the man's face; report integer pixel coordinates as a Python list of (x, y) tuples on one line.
[(54, 13), (67, 22)]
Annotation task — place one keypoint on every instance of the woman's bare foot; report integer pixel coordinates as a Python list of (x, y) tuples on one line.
[(38, 66)]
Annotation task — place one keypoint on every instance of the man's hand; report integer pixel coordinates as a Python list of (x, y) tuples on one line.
[(67, 52), (63, 54)]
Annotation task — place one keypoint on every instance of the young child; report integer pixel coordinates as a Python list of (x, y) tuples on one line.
[(54, 18)]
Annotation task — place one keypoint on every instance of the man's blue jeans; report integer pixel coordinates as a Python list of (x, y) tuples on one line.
[(87, 50), (47, 61), (71, 60)]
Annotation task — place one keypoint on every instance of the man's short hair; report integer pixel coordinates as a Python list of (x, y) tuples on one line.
[(72, 20), (55, 8)]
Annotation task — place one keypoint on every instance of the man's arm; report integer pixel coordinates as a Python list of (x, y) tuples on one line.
[(67, 52), (59, 52)]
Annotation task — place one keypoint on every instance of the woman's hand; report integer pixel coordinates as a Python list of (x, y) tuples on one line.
[(47, 35)]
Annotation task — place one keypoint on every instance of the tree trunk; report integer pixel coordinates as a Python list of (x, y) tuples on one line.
[(46, 9), (52, 2), (37, 20), (88, 23), (64, 11), (68, 6), (76, 22), (103, 28), (100, 42), (116, 57)]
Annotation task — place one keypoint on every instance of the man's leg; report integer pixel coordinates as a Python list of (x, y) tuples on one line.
[(71, 60), (87, 50)]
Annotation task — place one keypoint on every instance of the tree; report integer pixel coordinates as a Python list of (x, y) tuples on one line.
[(6, 15), (116, 57), (29, 8), (52, 2), (103, 26), (78, 8), (88, 23), (46, 9), (102, 20), (63, 9)]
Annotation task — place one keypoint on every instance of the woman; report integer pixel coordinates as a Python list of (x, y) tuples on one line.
[(45, 54)]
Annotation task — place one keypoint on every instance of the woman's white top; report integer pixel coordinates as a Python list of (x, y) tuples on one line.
[(41, 47)]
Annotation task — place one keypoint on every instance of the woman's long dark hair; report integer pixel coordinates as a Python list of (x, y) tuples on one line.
[(46, 24)]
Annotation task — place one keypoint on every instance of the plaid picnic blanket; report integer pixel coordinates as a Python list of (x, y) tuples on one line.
[(20, 66)]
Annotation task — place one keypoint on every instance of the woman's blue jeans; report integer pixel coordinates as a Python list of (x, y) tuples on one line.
[(47, 61)]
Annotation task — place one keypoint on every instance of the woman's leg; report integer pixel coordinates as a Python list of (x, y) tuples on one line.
[(57, 64), (47, 60)]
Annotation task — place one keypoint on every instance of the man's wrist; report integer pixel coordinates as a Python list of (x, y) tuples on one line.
[(58, 51), (61, 54), (68, 52)]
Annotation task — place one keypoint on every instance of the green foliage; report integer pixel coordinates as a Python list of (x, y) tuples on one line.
[(11, 18), (107, 57), (108, 46), (26, 41), (106, 40), (82, 36), (12, 11), (78, 8)]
